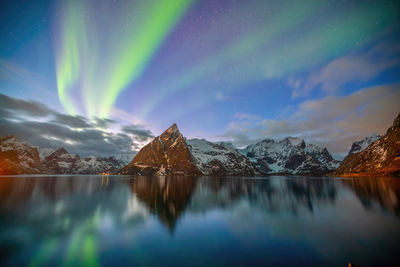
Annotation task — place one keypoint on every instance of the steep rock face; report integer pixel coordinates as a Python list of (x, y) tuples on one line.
[(95, 165), (167, 154), (18, 158), (382, 157), (60, 161), (220, 159), (359, 146), (290, 155)]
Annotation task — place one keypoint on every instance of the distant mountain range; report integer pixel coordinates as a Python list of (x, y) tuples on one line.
[(172, 154), (22, 158)]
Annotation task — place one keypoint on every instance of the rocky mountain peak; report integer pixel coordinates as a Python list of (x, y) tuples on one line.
[(294, 141), (172, 129), (18, 157), (167, 154), (170, 136), (58, 152), (359, 146), (290, 155), (7, 139), (381, 157), (395, 126)]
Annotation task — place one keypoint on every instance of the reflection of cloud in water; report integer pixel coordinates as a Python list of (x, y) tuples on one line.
[(84, 217)]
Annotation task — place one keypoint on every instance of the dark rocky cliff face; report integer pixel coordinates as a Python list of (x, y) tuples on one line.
[(359, 146), (18, 157), (382, 157), (167, 154)]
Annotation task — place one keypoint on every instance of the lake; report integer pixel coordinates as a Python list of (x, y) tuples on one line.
[(122, 220)]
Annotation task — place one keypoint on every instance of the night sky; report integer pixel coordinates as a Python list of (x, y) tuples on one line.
[(104, 77)]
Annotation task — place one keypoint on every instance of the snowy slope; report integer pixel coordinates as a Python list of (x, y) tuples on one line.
[(18, 157), (44, 152), (290, 155), (361, 145), (219, 158), (379, 158), (61, 162), (94, 165)]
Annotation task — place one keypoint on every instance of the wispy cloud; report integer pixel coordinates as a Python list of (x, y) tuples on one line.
[(13, 72), (334, 121), (353, 68), (44, 127)]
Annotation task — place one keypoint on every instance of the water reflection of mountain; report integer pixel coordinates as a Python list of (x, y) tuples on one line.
[(166, 197), (83, 217), (382, 191), (274, 194), (19, 190), (75, 199)]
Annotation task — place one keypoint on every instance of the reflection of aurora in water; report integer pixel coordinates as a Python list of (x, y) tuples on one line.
[(87, 220)]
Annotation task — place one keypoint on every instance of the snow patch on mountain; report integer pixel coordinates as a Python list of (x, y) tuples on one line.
[(44, 152), (219, 158), (361, 145), (290, 155)]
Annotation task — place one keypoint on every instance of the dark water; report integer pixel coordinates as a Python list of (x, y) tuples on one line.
[(94, 220)]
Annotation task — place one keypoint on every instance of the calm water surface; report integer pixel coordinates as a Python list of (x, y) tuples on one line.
[(120, 220)]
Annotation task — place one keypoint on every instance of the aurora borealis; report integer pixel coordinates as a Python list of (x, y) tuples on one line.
[(99, 60), (225, 70)]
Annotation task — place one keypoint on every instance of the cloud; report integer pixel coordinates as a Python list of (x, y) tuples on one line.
[(138, 132), (356, 68), (12, 72), (14, 107), (334, 121), (71, 121), (103, 122), (76, 133)]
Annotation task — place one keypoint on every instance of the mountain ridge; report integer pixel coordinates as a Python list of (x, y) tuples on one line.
[(381, 157), (171, 154), (22, 158)]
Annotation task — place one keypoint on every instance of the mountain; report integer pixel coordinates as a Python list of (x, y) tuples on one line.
[(221, 159), (291, 156), (44, 152), (61, 162), (381, 157), (167, 154), (359, 146), (22, 158), (171, 154), (18, 157)]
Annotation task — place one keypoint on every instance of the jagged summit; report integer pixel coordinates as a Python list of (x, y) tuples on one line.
[(381, 157), (289, 155), (59, 151), (359, 146), (18, 157), (294, 141), (169, 136), (172, 128), (167, 154)]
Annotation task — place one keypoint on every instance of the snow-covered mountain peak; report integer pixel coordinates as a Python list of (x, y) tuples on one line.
[(219, 158), (294, 141), (290, 155), (361, 145)]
